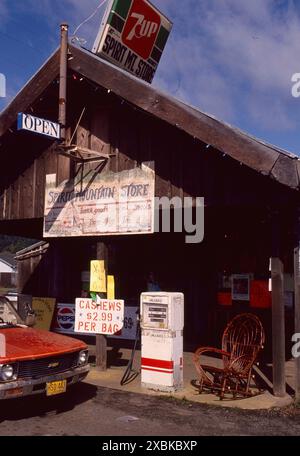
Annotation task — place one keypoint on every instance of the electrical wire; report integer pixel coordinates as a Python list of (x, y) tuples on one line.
[(81, 40)]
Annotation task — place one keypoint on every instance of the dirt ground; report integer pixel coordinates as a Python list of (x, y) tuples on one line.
[(87, 410)]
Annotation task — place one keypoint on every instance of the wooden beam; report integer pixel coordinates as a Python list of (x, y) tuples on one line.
[(101, 341), (278, 328), (101, 353)]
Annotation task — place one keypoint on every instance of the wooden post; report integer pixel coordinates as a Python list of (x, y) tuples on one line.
[(278, 329), (63, 163), (278, 317), (63, 79), (297, 304), (101, 341)]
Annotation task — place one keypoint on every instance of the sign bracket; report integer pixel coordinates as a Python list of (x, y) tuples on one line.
[(82, 154)]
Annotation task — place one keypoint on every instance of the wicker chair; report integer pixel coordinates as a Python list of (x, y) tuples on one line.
[(242, 340)]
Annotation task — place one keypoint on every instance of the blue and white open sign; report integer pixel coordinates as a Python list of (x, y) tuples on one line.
[(39, 126)]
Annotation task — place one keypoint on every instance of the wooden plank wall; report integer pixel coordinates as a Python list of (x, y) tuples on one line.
[(22, 190), (184, 166)]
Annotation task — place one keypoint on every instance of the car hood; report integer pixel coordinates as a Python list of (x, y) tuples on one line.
[(28, 343)]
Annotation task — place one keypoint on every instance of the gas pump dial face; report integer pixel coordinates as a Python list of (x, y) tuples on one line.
[(155, 315)]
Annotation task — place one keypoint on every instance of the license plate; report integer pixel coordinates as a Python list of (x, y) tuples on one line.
[(54, 388)]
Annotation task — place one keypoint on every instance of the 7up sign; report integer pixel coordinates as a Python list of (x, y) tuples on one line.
[(141, 29), (133, 36)]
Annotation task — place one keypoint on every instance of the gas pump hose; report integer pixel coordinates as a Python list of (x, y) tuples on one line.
[(131, 374)]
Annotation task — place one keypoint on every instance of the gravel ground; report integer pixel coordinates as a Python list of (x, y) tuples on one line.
[(86, 410)]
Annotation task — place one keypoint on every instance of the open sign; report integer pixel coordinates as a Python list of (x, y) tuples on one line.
[(39, 126)]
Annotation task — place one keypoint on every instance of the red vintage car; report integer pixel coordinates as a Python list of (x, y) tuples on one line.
[(34, 361)]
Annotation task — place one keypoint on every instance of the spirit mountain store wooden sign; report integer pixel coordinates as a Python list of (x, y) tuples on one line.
[(116, 203), (133, 36)]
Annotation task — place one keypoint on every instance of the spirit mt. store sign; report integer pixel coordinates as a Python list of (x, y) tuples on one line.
[(133, 36), (116, 203)]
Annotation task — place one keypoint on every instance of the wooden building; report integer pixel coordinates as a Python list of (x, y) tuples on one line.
[(251, 192), (8, 270)]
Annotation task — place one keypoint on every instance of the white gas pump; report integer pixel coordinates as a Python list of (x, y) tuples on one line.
[(162, 322)]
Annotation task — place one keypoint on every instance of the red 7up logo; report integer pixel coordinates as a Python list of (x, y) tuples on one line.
[(141, 28)]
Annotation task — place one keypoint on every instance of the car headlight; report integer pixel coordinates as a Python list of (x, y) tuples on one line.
[(7, 372), (83, 357)]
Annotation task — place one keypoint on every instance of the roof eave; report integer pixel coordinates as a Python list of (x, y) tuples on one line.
[(263, 158), (31, 91)]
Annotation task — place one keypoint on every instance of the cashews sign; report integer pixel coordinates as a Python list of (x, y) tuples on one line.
[(133, 36), (101, 317), (116, 203)]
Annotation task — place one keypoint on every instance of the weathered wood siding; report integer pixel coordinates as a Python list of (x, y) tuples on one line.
[(184, 166)]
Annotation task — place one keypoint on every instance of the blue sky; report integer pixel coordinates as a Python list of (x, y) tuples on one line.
[(231, 58)]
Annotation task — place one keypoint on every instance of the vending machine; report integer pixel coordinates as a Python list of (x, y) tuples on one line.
[(162, 322)]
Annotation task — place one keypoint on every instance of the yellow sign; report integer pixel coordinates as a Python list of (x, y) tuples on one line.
[(98, 277), (110, 287), (44, 309)]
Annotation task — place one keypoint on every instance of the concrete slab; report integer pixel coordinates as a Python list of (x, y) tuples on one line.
[(112, 378)]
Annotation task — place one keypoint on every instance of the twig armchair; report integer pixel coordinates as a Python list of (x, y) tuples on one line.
[(242, 340)]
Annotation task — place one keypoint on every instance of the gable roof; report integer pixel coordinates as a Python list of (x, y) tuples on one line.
[(269, 160), (8, 259), (32, 250)]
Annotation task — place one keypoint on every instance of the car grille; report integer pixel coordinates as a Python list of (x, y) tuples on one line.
[(47, 366)]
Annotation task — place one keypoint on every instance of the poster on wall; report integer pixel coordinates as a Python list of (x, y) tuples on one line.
[(110, 287), (111, 204), (132, 36), (260, 297), (98, 276), (44, 309), (240, 287)]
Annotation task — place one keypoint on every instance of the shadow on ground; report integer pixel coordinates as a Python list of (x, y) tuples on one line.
[(41, 405)]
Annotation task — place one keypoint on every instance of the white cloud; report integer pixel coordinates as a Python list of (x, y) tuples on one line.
[(264, 50), (231, 47), (231, 58), (191, 78)]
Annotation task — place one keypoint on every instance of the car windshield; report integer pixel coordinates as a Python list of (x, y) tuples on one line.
[(8, 314)]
